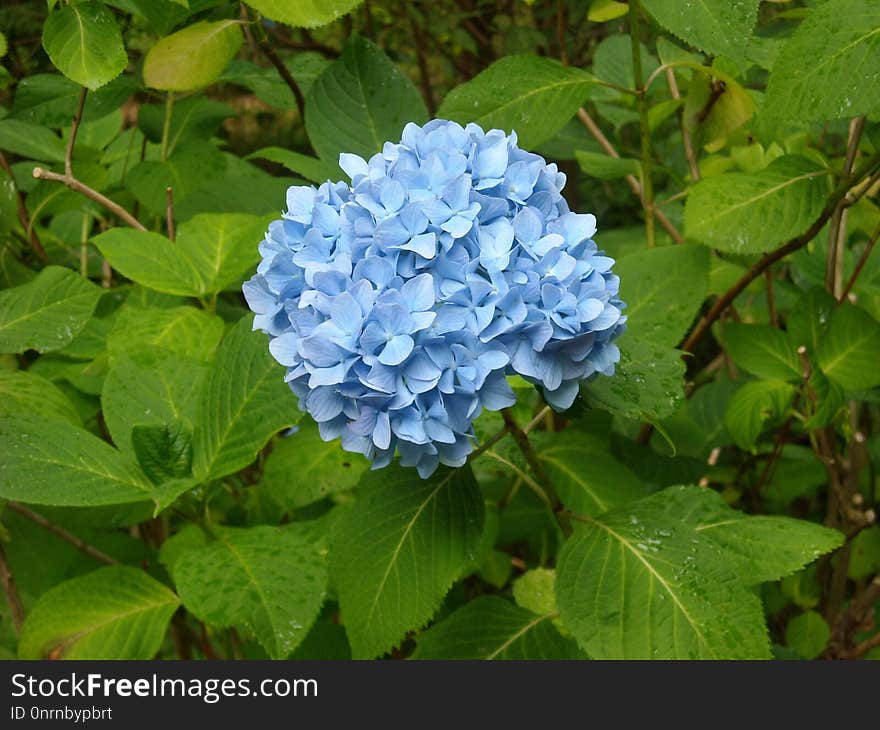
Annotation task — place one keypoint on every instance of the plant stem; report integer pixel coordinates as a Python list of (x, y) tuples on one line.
[(837, 234), (169, 212), (77, 542), (283, 71), (12, 597), (23, 216), (726, 299), (860, 265), (686, 140), (166, 126), (522, 441), (631, 180), (91, 194), (644, 127), (74, 128)]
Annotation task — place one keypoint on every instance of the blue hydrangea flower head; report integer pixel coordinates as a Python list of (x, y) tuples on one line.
[(400, 303)]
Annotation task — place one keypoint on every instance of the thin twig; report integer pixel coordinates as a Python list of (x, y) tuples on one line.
[(860, 264), (631, 180), (246, 30), (12, 597), (74, 128), (726, 299), (687, 141), (91, 194), (837, 232), (525, 447), (542, 414), (283, 71), (23, 217), (59, 531), (169, 212), (635, 10), (860, 650), (560, 32), (488, 443), (73, 183)]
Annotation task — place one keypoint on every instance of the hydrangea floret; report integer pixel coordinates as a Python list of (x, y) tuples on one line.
[(399, 304)]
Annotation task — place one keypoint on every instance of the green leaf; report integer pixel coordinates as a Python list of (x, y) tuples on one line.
[(531, 95), (717, 27), (647, 384), (808, 319), (865, 554), (744, 212), (207, 48), (762, 350), (243, 403), (84, 43), (605, 167), (535, 591), (588, 478), (716, 105), (51, 99), (850, 350), (269, 580), (311, 168), (395, 553), (663, 289), (359, 102), (601, 11), (490, 627), (303, 468), (186, 331), (840, 42), (752, 406), (613, 64), (212, 251), (637, 583), (808, 634), (191, 168), (115, 612), (163, 452), (766, 547), (150, 387), (221, 247), (48, 312), (46, 461), (304, 13), (30, 141), (24, 393), (149, 259)]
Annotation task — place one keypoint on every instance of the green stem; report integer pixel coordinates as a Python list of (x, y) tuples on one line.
[(644, 127), (522, 441), (166, 127)]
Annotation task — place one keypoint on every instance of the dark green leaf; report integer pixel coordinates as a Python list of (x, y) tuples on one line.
[(395, 553), (743, 212), (243, 403), (269, 580), (46, 313), (490, 627), (762, 350), (360, 102), (530, 95)]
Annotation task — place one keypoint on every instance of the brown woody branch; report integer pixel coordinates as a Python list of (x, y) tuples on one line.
[(59, 531), (726, 299)]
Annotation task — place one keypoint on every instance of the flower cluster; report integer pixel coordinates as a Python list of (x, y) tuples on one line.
[(400, 303)]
